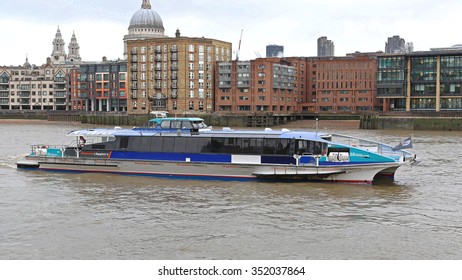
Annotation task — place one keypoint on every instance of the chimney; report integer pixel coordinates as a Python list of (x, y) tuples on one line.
[(104, 59), (177, 34)]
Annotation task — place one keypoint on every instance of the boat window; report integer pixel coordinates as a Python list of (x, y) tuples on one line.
[(283, 147), (156, 144), (269, 146), (203, 144), (123, 142), (145, 144), (165, 124), (250, 146), (198, 124), (192, 145), (153, 124), (98, 147), (186, 125), (175, 125), (180, 145), (134, 144), (215, 146), (168, 144), (309, 147)]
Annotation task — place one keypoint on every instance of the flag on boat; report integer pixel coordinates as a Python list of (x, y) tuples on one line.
[(405, 144)]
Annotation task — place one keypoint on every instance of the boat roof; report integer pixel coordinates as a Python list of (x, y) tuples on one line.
[(267, 133)]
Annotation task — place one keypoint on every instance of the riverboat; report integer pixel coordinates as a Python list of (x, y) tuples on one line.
[(188, 148)]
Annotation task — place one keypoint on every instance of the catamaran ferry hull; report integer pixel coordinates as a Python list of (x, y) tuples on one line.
[(348, 173)]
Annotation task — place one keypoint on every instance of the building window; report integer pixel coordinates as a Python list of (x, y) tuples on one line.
[(191, 105)]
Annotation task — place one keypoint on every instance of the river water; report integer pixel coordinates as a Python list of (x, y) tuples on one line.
[(45, 215)]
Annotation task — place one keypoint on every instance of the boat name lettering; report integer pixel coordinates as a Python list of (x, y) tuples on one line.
[(236, 166), (95, 154), (194, 165), (358, 155)]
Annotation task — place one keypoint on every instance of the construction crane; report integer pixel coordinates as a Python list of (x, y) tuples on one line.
[(239, 47)]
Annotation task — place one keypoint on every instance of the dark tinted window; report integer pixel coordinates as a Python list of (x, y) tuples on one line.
[(123, 142), (145, 144), (168, 144), (180, 144)]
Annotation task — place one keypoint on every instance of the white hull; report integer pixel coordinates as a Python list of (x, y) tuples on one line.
[(354, 173)]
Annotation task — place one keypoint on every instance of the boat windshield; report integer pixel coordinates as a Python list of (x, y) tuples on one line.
[(198, 124)]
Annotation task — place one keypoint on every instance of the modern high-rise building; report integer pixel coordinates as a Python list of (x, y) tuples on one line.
[(325, 47), (395, 44), (274, 51), (174, 74)]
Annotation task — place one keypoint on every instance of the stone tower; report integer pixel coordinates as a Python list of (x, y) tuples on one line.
[(58, 56), (74, 49)]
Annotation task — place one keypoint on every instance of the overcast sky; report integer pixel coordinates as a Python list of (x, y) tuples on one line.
[(29, 26)]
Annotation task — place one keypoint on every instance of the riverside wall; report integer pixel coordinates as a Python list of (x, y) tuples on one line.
[(442, 121)]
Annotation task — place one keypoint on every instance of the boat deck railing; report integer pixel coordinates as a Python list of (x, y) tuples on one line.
[(372, 146), (55, 150)]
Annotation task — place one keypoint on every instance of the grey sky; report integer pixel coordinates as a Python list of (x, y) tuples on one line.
[(29, 26)]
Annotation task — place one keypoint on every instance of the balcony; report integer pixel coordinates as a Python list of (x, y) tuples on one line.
[(60, 94)]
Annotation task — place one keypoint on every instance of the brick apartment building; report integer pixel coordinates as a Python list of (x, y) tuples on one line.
[(297, 84), (341, 84), (264, 85)]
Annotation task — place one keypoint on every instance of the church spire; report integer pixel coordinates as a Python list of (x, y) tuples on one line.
[(146, 4), (74, 49), (59, 53)]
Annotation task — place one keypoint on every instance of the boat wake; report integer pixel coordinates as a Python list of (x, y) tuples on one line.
[(10, 161)]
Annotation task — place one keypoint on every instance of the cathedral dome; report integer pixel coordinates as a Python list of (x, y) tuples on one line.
[(146, 18)]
